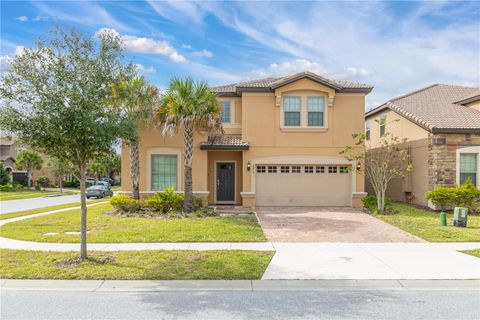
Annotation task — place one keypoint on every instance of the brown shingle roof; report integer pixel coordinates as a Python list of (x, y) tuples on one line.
[(475, 96), (434, 109), (224, 142), (269, 84)]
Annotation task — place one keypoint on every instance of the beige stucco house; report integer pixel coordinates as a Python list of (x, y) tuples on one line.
[(442, 125), (281, 146)]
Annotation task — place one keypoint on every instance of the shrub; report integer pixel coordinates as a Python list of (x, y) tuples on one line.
[(443, 197), (124, 203), (71, 184), (4, 176), (467, 195), (43, 182), (199, 202), (165, 201), (370, 203), (11, 186)]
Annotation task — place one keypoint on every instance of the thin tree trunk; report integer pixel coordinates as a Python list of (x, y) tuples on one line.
[(29, 179), (135, 169), (61, 184), (188, 160), (83, 205)]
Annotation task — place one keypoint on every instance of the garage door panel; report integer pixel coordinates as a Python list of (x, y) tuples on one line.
[(303, 189)]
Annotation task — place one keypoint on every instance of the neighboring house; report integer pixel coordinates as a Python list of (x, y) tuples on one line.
[(9, 148), (442, 125), (281, 147)]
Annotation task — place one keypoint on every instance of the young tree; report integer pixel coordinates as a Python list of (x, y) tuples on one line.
[(56, 100), (29, 161), (381, 163), (191, 106), (136, 99), (97, 169), (59, 169)]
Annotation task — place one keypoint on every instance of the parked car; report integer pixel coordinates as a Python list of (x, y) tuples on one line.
[(110, 181), (90, 182), (103, 183), (99, 191)]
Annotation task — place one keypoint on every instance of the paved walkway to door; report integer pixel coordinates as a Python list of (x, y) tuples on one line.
[(327, 224)]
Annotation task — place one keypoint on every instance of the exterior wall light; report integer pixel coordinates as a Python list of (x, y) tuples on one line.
[(249, 165)]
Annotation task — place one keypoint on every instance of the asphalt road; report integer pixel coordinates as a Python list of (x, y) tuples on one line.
[(334, 304), (34, 203)]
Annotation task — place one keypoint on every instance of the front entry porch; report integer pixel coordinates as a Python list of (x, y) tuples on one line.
[(224, 177)]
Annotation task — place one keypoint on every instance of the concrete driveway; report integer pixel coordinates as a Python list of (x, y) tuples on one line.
[(327, 224)]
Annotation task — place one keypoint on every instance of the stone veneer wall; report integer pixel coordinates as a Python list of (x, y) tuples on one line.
[(442, 157)]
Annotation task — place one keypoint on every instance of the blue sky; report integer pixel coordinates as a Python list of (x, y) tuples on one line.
[(396, 46)]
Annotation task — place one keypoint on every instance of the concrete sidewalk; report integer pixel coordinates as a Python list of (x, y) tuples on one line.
[(235, 285)]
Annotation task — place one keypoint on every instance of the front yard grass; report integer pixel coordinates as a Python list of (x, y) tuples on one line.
[(135, 265), (45, 209), (28, 194), (426, 224), (475, 253), (105, 228)]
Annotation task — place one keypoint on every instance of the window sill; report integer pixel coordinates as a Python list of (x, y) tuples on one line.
[(304, 129)]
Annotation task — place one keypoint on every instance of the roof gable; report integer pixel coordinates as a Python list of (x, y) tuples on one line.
[(434, 108)]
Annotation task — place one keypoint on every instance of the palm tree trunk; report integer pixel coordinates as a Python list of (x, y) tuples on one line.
[(83, 206), (188, 160), (134, 169)]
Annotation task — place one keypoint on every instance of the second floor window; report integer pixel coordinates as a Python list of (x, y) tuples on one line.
[(315, 108), (292, 108), (383, 120), (367, 130), (225, 115)]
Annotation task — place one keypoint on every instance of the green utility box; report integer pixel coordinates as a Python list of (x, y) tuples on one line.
[(460, 216)]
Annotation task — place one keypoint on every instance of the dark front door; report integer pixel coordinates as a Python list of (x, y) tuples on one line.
[(225, 181)]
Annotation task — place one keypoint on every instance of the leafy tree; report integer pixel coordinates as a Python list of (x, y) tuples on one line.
[(191, 106), (56, 100), (136, 100), (381, 163), (4, 177), (59, 169), (115, 166), (43, 182), (97, 169), (29, 161)]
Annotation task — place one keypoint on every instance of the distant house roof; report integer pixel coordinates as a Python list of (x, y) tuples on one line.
[(224, 142), (270, 84), (436, 108)]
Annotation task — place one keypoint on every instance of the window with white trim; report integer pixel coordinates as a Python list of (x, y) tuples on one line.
[(343, 169), (319, 169), (315, 109), (226, 112), (261, 169), (284, 169), (332, 169), (295, 169), (382, 124), (308, 169), (272, 169), (163, 171), (468, 167), (367, 130), (292, 111)]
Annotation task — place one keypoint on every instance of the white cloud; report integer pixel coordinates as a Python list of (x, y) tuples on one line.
[(84, 13), (178, 10), (145, 70), (186, 46), (40, 18), (22, 18), (6, 60), (147, 45), (203, 53)]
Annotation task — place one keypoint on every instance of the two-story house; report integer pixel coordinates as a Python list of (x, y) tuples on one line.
[(442, 126), (281, 147)]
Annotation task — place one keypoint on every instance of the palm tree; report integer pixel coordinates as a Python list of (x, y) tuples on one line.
[(137, 100), (191, 106)]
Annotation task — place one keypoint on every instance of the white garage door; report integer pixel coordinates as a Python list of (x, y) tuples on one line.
[(303, 185)]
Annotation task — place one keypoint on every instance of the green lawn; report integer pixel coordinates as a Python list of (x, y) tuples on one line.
[(27, 194), (135, 265), (103, 228), (426, 225), (45, 209), (475, 253)]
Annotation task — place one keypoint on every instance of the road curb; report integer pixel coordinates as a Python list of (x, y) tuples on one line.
[(235, 285)]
